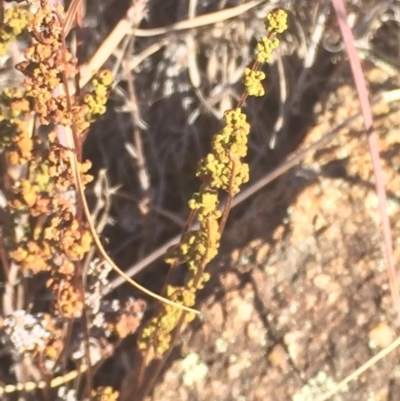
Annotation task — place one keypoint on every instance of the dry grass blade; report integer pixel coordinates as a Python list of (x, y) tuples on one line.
[(201, 20), (354, 375), (70, 15), (362, 91), (124, 27)]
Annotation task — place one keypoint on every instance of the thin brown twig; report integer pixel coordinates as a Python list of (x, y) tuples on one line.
[(80, 212), (141, 164), (3, 258), (70, 16)]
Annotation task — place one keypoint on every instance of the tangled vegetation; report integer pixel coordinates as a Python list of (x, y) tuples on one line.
[(46, 232)]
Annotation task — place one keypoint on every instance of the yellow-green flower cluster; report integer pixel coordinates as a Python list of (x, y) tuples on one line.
[(253, 82), (53, 238), (93, 103), (14, 109), (276, 21), (264, 49), (105, 394), (204, 202), (158, 331), (96, 100), (223, 168), (16, 20), (220, 169), (199, 247), (45, 66)]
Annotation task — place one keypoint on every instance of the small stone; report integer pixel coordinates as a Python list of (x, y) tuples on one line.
[(292, 341), (237, 365), (235, 255), (319, 222), (322, 281), (380, 336), (256, 332), (278, 358), (261, 254)]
